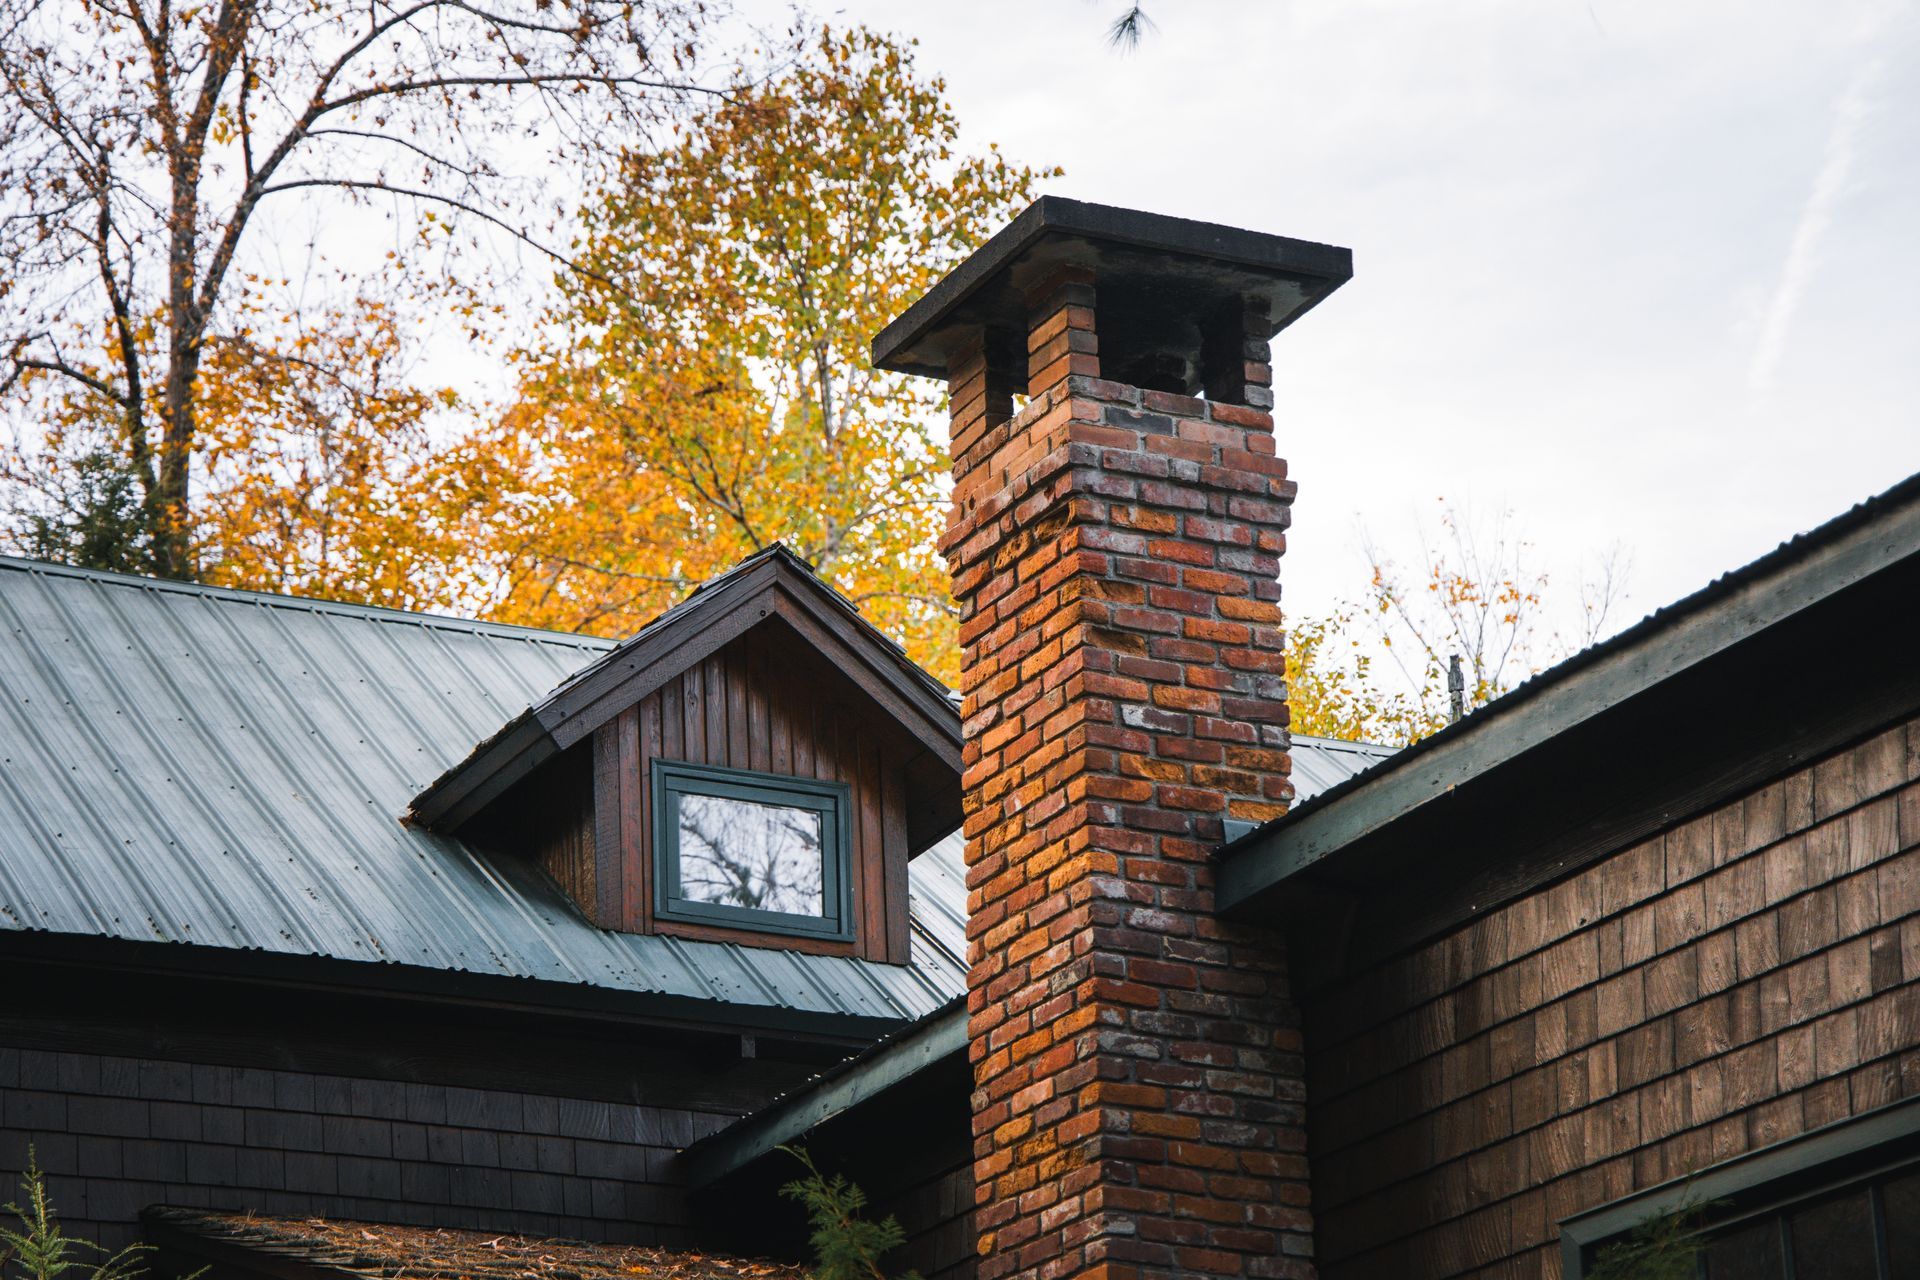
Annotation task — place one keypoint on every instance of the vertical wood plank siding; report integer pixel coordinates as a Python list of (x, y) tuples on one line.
[(764, 702), (564, 840), (1748, 974)]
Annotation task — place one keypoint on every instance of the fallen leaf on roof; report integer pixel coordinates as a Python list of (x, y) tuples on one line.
[(392, 1252)]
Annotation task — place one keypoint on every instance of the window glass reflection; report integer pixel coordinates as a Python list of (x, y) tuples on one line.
[(740, 853)]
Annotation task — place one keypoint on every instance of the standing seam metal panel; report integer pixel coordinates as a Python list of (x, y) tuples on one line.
[(196, 764)]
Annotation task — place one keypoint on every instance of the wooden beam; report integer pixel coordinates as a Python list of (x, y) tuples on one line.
[(933, 1039)]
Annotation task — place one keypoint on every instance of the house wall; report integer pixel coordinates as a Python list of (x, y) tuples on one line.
[(769, 703), (1750, 973), (139, 1089), (936, 1210), (116, 1134)]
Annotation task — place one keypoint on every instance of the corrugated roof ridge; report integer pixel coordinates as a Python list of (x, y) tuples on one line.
[(309, 604)]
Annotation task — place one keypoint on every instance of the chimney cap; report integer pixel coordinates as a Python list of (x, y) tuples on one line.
[(1174, 268)]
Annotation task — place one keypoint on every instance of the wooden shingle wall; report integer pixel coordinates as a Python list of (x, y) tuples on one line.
[(116, 1134), (1751, 973), (935, 1207)]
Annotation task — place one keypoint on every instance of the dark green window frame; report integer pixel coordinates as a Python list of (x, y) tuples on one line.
[(1863, 1151), (831, 800)]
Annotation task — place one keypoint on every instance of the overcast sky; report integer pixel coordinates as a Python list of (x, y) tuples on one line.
[(1647, 273)]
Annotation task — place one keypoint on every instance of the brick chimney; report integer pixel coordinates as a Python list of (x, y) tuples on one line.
[(1115, 548)]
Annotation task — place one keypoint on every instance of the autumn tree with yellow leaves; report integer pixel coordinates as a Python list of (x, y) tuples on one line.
[(145, 145), (709, 390), (1375, 667), (698, 388)]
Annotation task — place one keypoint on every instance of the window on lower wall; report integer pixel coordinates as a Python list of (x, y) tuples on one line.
[(1841, 1203), (762, 852)]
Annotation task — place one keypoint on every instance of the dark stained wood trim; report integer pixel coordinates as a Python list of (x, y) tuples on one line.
[(766, 703), (737, 678), (690, 634), (631, 890), (932, 800), (723, 613), (772, 941), (639, 867), (759, 682), (609, 910), (471, 787), (873, 888), (938, 730)]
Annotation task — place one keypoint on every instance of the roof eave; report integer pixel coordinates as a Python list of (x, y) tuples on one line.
[(909, 1051), (713, 615), (1800, 575)]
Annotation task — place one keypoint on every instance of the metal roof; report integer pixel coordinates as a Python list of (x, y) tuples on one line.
[(183, 764), (191, 765), (1321, 763)]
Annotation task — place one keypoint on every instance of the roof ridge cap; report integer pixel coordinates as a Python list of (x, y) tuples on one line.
[(310, 604)]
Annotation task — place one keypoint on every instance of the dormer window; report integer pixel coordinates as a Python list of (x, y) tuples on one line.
[(752, 850), (755, 767)]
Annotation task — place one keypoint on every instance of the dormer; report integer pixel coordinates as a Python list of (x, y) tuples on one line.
[(757, 766)]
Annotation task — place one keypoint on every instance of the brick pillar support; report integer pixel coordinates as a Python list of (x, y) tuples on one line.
[(1115, 553)]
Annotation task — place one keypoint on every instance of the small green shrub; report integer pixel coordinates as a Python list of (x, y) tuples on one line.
[(846, 1244), (39, 1250)]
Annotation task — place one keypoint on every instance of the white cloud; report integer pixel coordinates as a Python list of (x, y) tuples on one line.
[(1830, 186)]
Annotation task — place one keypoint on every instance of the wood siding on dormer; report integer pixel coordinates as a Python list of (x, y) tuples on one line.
[(562, 834), (768, 703)]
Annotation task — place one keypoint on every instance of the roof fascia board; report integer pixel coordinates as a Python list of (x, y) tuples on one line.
[(695, 630), (571, 716), (503, 993), (523, 746), (1494, 736), (934, 1039), (934, 720), (697, 627), (706, 626)]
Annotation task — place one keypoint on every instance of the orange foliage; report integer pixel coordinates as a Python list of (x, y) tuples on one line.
[(711, 391), (701, 390)]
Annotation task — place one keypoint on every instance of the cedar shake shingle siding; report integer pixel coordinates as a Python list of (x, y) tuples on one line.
[(1748, 974), (116, 1134)]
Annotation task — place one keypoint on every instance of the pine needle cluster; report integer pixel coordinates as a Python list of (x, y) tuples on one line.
[(847, 1245)]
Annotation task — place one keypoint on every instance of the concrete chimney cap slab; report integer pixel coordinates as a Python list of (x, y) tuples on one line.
[(1151, 271)]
